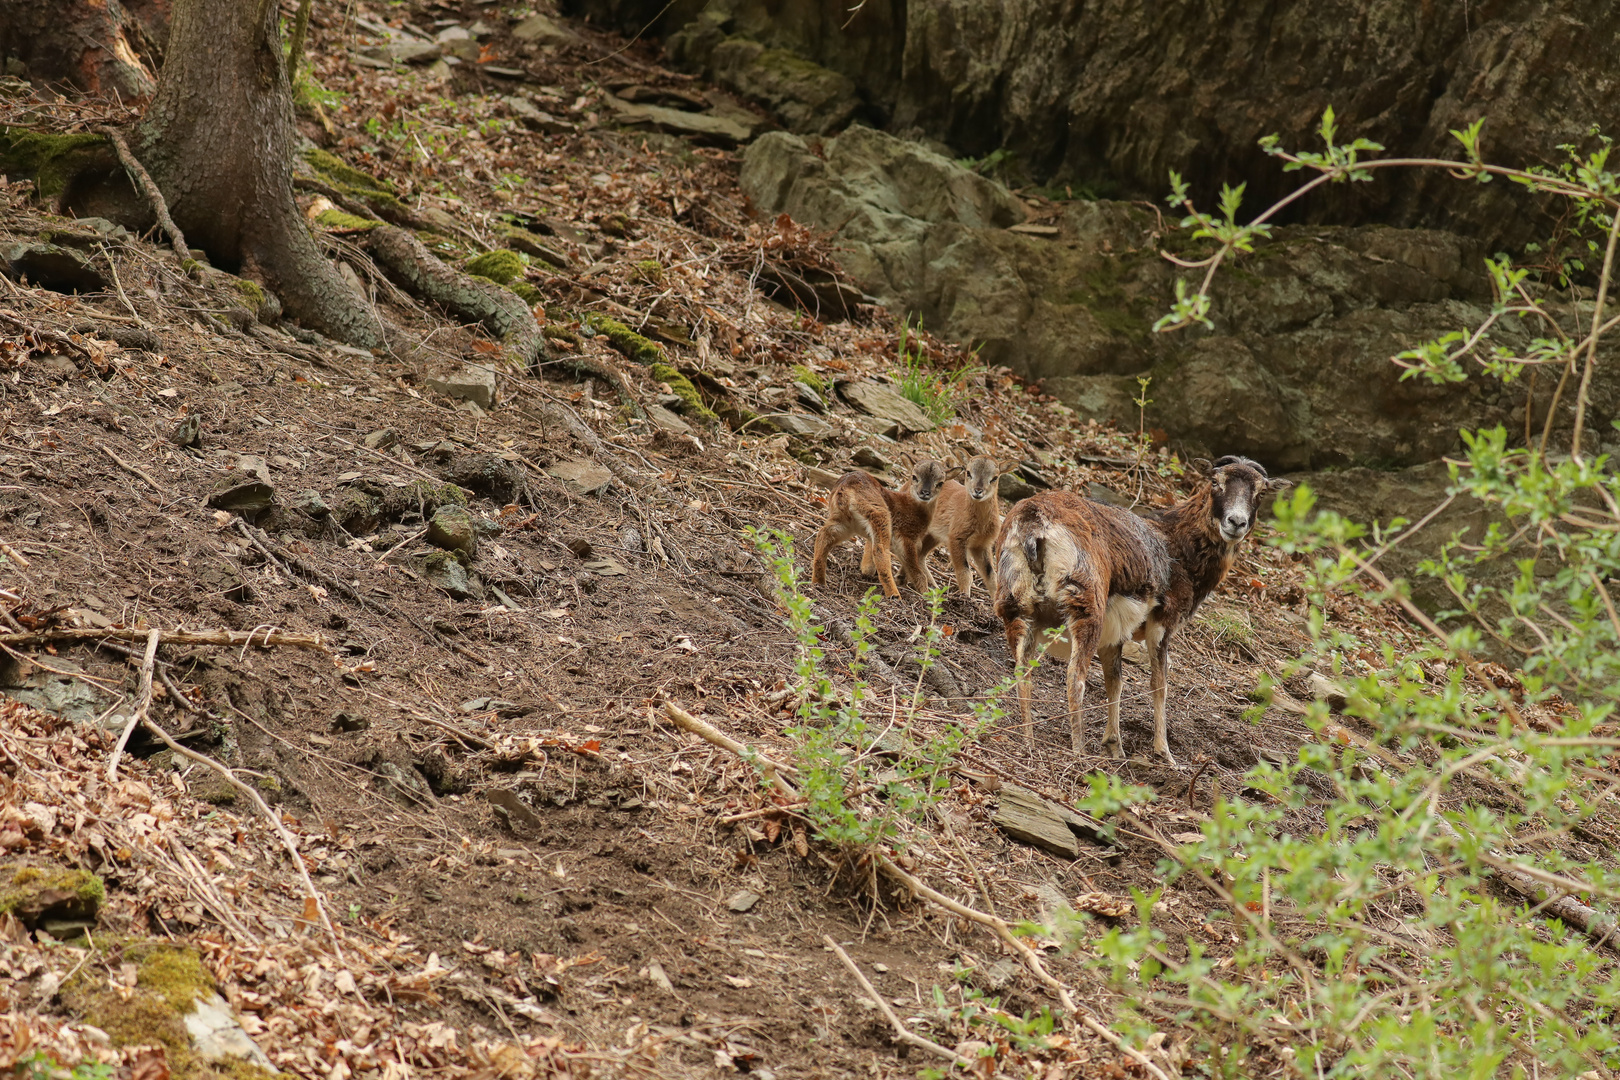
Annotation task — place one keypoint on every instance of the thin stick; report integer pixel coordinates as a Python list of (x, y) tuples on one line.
[(287, 839), (773, 770), (264, 638), (1583, 395), (149, 188), (127, 467), (901, 1033), (143, 701)]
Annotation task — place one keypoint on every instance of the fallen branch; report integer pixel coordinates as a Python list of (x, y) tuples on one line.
[(143, 702), (772, 770), (148, 187), (901, 1033), (290, 842), (136, 470), (262, 638)]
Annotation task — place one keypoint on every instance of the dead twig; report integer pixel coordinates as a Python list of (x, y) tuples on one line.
[(143, 701), (51, 336), (143, 180), (901, 1033), (290, 842), (263, 638), (133, 469)]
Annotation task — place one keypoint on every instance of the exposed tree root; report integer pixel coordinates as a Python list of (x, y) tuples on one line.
[(148, 188)]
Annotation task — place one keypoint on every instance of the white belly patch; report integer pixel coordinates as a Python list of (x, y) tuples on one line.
[(1123, 618)]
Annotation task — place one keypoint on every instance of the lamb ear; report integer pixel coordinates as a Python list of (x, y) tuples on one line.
[(1278, 485), (1201, 466)]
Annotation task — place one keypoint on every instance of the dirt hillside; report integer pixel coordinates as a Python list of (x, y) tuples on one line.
[(436, 635)]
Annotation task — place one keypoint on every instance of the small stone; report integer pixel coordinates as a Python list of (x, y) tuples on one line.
[(885, 403), (867, 458), (581, 547), (1325, 689), (585, 477), (537, 119), (451, 527), (444, 571), (346, 723), (382, 440), (665, 420), (473, 383), (254, 466), (248, 498), (310, 502), (59, 368), (51, 266), (742, 901), (820, 477), (1012, 488), (802, 425), (188, 432), (705, 128), (878, 427), (809, 398), (543, 30)]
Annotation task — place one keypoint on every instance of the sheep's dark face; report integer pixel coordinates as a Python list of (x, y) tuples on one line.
[(983, 476), (1236, 488), (927, 476)]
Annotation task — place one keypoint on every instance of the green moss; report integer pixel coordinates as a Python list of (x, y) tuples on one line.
[(631, 344), (649, 272), (557, 332), (169, 980), (338, 220), (50, 161), (27, 891), (344, 175), (615, 225), (682, 387), (528, 293), (499, 266), (810, 379), (251, 292)]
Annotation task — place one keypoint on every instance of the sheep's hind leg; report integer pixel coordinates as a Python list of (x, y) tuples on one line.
[(1109, 657)]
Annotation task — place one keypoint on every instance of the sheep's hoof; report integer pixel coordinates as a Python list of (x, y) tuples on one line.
[(1114, 749), (1169, 758)]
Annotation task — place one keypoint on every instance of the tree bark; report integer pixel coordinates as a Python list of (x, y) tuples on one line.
[(98, 46), (218, 139)]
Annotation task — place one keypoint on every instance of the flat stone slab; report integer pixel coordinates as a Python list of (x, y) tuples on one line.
[(802, 425), (668, 421), (473, 383), (885, 403), (585, 477), (705, 127), (1031, 819), (216, 1035)]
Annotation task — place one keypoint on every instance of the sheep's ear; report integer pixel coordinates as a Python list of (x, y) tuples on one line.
[(1201, 466), (1278, 485)]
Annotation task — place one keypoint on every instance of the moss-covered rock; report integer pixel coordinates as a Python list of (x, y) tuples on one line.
[(35, 893), (810, 379), (681, 387), (649, 272), (558, 332), (631, 344), (50, 160), (170, 982), (499, 266)]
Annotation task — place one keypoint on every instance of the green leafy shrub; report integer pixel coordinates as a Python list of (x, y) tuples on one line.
[(863, 772), (1397, 899)]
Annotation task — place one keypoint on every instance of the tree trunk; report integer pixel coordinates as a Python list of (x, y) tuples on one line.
[(218, 139)]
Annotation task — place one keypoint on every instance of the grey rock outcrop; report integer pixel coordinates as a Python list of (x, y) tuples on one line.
[(1114, 95), (1297, 372)]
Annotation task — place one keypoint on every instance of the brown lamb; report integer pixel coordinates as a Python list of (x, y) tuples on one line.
[(966, 522), (858, 507), (1107, 576)]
